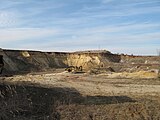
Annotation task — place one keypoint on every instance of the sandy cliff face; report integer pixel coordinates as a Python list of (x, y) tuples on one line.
[(84, 60), (17, 61), (92, 60)]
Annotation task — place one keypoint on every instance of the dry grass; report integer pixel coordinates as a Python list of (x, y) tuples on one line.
[(36, 103)]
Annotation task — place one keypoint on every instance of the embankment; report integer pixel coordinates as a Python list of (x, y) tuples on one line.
[(23, 61)]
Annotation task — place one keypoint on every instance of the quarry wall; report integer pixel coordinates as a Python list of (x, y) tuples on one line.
[(19, 61), (23, 61)]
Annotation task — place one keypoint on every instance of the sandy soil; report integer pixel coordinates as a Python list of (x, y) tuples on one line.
[(68, 96), (89, 84)]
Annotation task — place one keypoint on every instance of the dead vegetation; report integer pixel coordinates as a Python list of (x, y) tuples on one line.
[(38, 103)]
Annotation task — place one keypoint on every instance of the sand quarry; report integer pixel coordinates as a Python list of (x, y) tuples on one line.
[(36, 86)]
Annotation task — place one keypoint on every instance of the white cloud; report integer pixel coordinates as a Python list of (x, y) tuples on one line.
[(80, 39), (81, 27), (119, 9), (7, 19), (123, 28), (9, 35)]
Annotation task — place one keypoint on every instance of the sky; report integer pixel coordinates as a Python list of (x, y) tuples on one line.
[(120, 26)]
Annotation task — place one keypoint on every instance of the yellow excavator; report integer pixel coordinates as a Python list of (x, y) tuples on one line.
[(74, 69)]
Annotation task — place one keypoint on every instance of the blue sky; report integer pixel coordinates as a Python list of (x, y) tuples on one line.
[(120, 26)]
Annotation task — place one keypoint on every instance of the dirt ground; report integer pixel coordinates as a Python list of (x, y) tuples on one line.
[(90, 84), (69, 96)]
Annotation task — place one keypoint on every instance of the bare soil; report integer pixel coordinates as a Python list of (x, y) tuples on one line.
[(68, 96)]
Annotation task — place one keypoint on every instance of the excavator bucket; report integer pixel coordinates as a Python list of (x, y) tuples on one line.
[(74, 69)]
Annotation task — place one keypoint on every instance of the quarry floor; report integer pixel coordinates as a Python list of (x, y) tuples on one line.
[(86, 84), (67, 96)]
